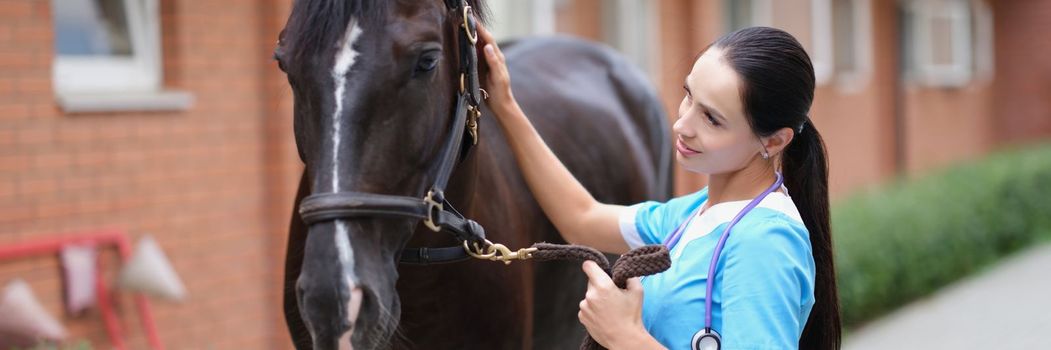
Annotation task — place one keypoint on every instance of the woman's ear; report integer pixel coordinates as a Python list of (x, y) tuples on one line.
[(776, 142)]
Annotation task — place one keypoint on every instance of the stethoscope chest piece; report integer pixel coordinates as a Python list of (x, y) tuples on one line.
[(706, 339)]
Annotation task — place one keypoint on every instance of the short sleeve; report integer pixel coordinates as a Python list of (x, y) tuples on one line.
[(651, 222), (767, 286)]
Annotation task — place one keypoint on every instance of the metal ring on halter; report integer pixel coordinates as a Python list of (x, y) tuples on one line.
[(467, 13), (434, 207)]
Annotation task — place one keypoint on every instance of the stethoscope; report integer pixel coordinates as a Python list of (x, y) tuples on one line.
[(708, 338)]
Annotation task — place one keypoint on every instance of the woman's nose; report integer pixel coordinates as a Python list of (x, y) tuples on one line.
[(680, 128)]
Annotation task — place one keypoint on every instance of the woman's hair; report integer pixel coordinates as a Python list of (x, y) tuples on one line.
[(777, 88)]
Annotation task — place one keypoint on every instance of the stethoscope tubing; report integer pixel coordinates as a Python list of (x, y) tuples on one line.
[(673, 239)]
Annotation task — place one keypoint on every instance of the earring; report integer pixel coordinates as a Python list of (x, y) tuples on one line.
[(766, 154)]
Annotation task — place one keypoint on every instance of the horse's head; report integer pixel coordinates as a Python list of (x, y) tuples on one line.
[(375, 85)]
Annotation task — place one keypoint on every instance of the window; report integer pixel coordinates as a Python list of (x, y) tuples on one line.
[(742, 14), (628, 26), (517, 18), (107, 56), (105, 45), (809, 21), (946, 41), (851, 42), (983, 40)]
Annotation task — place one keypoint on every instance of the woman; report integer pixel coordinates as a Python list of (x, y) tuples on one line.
[(743, 121)]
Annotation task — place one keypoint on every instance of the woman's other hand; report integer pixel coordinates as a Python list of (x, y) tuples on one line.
[(612, 316), (499, 83)]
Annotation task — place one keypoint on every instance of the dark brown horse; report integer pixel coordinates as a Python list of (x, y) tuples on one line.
[(378, 98)]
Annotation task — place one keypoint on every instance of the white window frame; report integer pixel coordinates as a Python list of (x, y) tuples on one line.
[(823, 59), (141, 71), (984, 56), (115, 84), (923, 69), (854, 80)]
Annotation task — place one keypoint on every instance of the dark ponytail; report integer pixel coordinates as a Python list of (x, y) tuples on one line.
[(777, 90), (805, 169)]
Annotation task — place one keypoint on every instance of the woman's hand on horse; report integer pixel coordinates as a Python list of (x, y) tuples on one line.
[(499, 83), (612, 316)]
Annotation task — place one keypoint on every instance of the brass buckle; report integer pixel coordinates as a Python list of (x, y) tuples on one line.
[(467, 12), (433, 209), (498, 252)]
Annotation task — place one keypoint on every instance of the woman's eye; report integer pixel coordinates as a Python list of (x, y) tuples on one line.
[(711, 119)]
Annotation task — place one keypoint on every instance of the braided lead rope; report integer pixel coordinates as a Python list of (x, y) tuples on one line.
[(642, 261)]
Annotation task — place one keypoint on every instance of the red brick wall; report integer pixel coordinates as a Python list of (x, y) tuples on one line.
[(1023, 71), (946, 125), (213, 183), (582, 18)]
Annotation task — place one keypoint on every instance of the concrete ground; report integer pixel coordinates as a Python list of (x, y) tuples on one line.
[(1005, 307)]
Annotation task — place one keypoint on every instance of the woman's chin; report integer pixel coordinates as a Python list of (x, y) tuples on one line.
[(690, 164)]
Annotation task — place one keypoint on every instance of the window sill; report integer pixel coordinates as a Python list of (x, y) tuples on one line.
[(137, 101)]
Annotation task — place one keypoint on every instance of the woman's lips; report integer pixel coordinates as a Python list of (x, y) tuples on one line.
[(686, 151)]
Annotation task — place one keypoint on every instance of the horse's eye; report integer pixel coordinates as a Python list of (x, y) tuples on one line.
[(428, 61)]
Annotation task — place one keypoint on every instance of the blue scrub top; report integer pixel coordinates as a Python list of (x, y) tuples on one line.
[(764, 285)]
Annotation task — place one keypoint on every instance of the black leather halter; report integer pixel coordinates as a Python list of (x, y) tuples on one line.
[(437, 214)]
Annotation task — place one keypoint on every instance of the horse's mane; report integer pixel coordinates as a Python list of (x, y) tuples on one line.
[(315, 23)]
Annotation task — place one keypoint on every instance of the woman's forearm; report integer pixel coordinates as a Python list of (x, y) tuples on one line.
[(577, 216)]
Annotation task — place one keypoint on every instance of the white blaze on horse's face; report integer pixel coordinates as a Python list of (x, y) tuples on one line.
[(345, 58)]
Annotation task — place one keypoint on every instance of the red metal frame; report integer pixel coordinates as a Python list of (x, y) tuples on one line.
[(96, 238)]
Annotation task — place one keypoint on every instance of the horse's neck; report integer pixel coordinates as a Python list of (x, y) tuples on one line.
[(478, 179)]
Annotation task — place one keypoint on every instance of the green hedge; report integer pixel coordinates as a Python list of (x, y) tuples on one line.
[(909, 238)]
